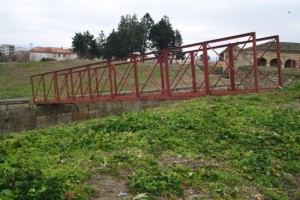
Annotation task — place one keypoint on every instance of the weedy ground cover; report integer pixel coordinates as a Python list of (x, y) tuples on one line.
[(231, 147)]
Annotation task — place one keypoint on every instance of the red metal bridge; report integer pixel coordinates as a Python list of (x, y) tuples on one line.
[(159, 75)]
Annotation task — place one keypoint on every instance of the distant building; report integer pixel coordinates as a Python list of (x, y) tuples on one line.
[(289, 53), (40, 53), (266, 55), (7, 49)]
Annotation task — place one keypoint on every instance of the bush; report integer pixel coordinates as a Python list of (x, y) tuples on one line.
[(47, 59)]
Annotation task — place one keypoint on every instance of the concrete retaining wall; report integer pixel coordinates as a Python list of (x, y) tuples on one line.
[(19, 115)]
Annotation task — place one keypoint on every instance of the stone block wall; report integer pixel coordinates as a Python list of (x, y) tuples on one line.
[(18, 115)]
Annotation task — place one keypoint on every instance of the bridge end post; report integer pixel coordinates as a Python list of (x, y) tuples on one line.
[(193, 65), (255, 65), (110, 79), (136, 76), (278, 61), (166, 61), (32, 88), (206, 69), (231, 67), (88, 68)]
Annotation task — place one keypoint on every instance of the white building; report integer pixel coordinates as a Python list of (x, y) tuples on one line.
[(7, 49), (39, 53)]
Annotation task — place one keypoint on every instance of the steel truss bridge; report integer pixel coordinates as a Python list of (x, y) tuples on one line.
[(159, 75)]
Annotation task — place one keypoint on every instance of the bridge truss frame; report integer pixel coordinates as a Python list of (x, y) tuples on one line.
[(160, 75)]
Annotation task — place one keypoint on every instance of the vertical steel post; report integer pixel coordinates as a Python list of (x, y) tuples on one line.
[(136, 76), (231, 67), (192, 55), (166, 61), (97, 81), (72, 84), (80, 82), (115, 79), (278, 61), (162, 77), (44, 88), (56, 93), (110, 79), (256, 82), (88, 68), (67, 86), (206, 69), (32, 89)]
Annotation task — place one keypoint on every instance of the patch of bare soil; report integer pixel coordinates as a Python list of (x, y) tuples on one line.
[(191, 194), (192, 163), (109, 188), (292, 105)]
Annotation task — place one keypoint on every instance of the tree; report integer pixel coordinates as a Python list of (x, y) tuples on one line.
[(178, 43), (93, 51), (112, 46), (145, 26), (132, 36), (78, 45), (90, 48), (128, 33), (162, 35), (126, 41), (101, 43), (85, 45)]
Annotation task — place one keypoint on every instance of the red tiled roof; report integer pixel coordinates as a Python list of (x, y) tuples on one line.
[(52, 50)]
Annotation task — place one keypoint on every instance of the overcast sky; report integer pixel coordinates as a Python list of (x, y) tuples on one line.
[(53, 23)]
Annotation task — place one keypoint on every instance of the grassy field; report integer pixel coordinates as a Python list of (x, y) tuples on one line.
[(15, 77), (231, 147)]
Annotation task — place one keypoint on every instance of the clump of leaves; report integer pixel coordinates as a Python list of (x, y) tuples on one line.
[(157, 181)]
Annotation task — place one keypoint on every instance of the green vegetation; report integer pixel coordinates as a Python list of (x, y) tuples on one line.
[(132, 36), (231, 147)]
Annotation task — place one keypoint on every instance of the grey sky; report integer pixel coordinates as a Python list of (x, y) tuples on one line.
[(54, 23)]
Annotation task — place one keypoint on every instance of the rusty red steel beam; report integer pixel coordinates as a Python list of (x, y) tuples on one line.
[(117, 93), (157, 52), (175, 96), (278, 62)]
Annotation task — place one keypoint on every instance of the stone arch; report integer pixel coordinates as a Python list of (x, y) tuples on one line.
[(290, 63), (261, 62), (273, 62)]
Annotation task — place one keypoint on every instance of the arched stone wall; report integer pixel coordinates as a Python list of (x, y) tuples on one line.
[(273, 62), (290, 63), (271, 57), (262, 62)]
